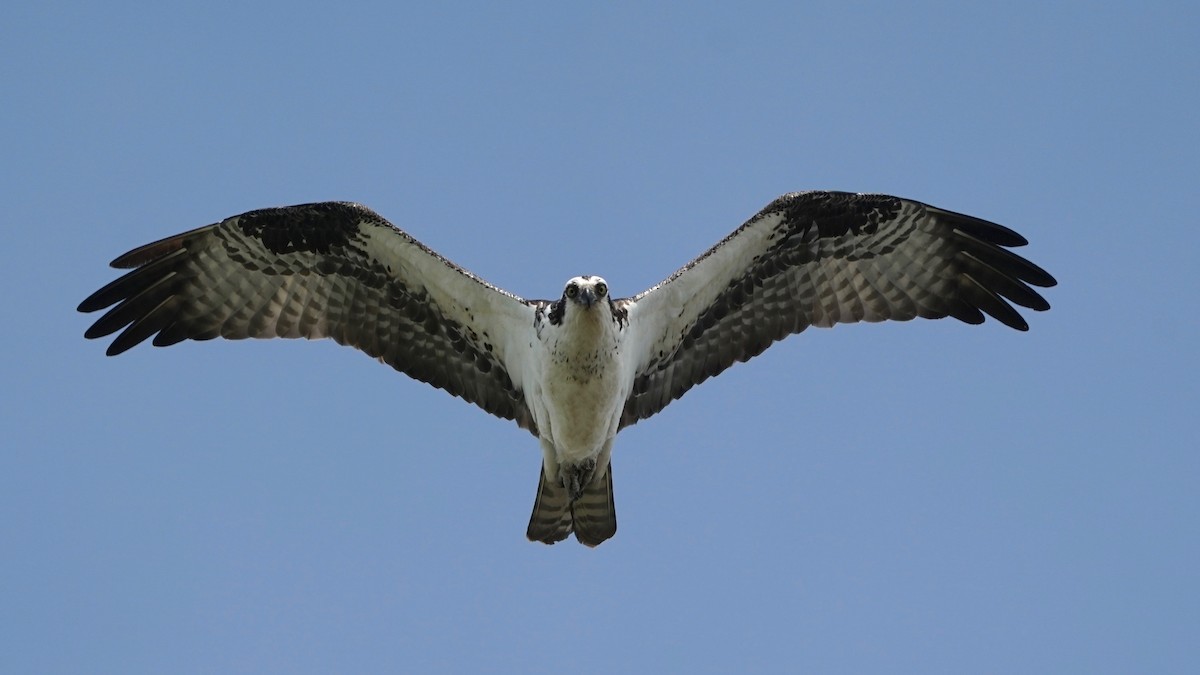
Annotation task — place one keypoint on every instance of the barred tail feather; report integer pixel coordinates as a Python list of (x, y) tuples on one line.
[(551, 519), (593, 517), (594, 514)]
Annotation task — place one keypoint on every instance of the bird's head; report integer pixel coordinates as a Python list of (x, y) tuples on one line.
[(585, 291)]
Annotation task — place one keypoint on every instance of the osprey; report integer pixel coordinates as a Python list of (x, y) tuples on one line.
[(576, 370)]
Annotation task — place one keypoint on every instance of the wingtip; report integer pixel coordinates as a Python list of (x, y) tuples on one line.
[(144, 254)]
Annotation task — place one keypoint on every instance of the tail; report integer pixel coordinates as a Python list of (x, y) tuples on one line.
[(592, 517)]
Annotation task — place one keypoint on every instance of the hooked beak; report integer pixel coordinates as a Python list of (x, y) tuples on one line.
[(587, 296)]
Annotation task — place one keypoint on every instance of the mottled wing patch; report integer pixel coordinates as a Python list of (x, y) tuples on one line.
[(331, 269), (834, 257)]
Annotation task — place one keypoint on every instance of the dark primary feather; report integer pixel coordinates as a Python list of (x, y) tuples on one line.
[(314, 270), (836, 257)]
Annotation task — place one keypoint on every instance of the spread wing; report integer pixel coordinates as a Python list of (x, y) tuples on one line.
[(816, 259), (331, 269)]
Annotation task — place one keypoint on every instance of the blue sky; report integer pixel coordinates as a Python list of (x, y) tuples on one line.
[(919, 497)]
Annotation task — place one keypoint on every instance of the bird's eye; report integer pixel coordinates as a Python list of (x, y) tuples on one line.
[(572, 290), (601, 289)]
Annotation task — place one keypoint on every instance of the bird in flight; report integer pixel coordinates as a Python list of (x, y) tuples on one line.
[(577, 369)]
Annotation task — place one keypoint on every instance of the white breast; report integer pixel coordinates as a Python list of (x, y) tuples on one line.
[(583, 388)]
